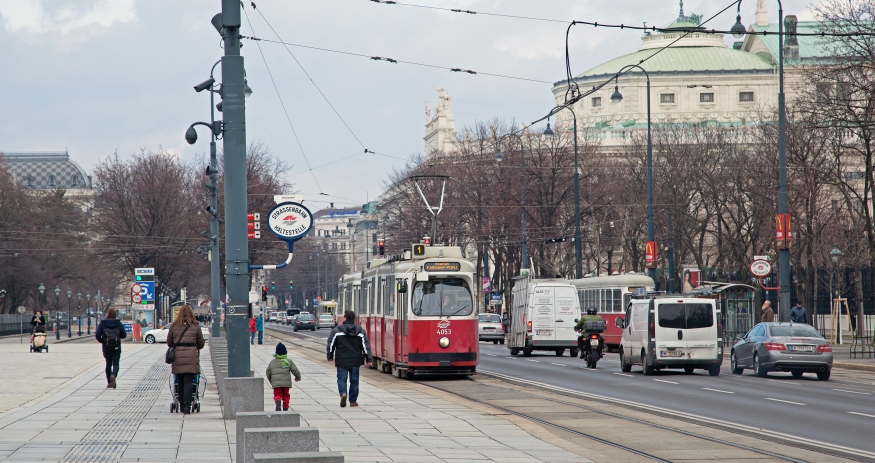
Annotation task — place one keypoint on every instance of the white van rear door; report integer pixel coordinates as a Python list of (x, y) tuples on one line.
[(543, 312), (701, 331), (671, 325), (686, 329), (567, 309)]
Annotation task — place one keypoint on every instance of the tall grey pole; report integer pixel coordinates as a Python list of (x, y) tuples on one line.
[(578, 244), (234, 148), (651, 232), (671, 275), (783, 200), (215, 289), (525, 251)]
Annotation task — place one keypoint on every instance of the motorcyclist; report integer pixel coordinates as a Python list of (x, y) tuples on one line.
[(591, 316)]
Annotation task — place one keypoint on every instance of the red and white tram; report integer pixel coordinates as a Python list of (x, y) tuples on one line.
[(419, 311), (610, 295)]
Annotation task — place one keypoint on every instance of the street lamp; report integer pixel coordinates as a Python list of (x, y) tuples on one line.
[(79, 312), (57, 314), (578, 244), (42, 290), (783, 200), (524, 268), (88, 311), (69, 317), (617, 97)]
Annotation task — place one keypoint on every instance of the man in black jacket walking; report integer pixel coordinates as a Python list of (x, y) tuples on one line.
[(110, 333), (347, 345)]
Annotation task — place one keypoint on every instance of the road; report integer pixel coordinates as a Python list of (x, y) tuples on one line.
[(840, 411)]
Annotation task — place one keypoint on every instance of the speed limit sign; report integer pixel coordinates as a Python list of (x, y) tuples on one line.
[(136, 298)]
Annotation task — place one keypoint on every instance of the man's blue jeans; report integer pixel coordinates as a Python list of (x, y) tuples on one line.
[(252, 337), (260, 337), (353, 374)]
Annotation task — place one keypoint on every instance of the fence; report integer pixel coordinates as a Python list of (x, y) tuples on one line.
[(860, 346), (14, 323)]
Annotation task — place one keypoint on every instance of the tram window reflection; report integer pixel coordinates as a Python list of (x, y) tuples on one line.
[(447, 297)]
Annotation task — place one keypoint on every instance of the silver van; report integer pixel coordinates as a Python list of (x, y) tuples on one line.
[(671, 332)]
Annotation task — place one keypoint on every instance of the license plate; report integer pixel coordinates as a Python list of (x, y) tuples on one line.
[(594, 342), (801, 348), (488, 329), (671, 353), (544, 332)]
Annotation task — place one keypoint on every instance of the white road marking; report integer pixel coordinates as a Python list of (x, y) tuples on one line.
[(492, 355), (623, 374), (852, 392), (782, 382), (785, 401), (531, 360), (862, 414), (717, 390), (558, 364), (664, 381)]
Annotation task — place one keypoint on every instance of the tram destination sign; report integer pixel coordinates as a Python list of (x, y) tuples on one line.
[(290, 221), (442, 267)]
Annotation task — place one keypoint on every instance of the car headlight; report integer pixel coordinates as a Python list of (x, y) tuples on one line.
[(444, 342)]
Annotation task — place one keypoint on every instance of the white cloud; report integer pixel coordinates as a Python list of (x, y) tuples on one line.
[(34, 17)]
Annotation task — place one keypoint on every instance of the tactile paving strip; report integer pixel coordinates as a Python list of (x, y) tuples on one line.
[(108, 439)]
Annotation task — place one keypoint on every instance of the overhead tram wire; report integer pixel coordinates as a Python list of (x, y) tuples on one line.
[(616, 26), (286, 111), (397, 61)]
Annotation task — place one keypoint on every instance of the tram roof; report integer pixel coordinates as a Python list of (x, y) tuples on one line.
[(626, 279), (719, 287)]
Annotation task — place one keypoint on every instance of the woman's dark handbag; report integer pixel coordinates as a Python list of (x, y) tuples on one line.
[(170, 355)]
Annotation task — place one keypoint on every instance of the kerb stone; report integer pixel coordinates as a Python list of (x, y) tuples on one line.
[(242, 395), (253, 420), (278, 440), (299, 457)]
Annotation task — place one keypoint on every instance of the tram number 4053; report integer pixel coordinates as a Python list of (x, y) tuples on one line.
[(444, 331)]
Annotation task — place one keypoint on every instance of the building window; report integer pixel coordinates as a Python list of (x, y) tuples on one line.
[(745, 97), (856, 175), (823, 93), (52, 181), (666, 98), (596, 101), (706, 98)]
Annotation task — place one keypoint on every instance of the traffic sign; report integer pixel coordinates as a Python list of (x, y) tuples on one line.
[(136, 289), (144, 271), (136, 299), (760, 268), (147, 291), (22, 309), (254, 235), (290, 221)]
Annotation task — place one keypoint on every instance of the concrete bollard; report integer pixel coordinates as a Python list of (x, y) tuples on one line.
[(254, 420), (279, 440), (299, 457), (242, 395)]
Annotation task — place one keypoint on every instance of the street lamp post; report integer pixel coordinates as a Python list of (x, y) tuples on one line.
[(42, 291), (578, 245), (57, 314), (524, 267), (79, 312), (617, 97), (835, 255), (69, 317), (88, 311), (738, 30)]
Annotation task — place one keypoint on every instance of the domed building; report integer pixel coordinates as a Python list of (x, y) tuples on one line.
[(49, 171), (697, 79)]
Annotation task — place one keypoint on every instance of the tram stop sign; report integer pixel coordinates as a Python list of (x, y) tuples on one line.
[(290, 221), (760, 268)]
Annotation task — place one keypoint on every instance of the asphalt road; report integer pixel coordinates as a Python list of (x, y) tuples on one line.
[(840, 411)]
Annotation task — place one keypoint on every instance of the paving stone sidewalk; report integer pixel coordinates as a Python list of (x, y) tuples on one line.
[(401, 422)]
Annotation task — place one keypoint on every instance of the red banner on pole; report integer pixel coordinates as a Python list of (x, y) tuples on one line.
[(650, 254), (783, 230)]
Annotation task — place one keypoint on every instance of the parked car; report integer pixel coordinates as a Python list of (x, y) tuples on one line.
[(490, 328), (271, 317), (305, 320), (793, 347), (159, 335), (326, 320)]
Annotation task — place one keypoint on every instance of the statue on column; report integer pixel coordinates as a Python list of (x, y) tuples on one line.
[(443, 100)]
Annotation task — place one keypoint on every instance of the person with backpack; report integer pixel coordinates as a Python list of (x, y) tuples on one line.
[(347, 345), (186, 339), (279, 374), (110, 333)]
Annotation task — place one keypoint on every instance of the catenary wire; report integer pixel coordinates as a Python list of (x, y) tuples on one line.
[(282, 103)]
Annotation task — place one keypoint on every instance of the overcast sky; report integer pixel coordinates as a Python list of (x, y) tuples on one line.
[(96, 76)]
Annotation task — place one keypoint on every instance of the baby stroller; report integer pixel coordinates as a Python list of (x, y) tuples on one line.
[(38, 341), (198, 387)]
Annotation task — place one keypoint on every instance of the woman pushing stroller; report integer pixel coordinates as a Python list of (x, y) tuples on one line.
[(186, 338), (38, 333)]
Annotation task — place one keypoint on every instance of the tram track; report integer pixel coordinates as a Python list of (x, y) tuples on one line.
[(796, 443)]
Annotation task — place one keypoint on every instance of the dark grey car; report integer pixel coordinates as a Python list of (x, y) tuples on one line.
[(792, 347)]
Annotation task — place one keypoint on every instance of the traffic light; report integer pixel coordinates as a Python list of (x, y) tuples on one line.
[(272, 287), (291, 285), (264, 293), (382, 247)]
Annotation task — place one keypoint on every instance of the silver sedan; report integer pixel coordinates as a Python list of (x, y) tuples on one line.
[(792, 347)]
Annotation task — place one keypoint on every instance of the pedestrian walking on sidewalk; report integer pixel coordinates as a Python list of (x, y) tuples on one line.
[(768, 313), (348, 346), (110, 333), (279, 375), (186, 338), (259, 326), (251, 330), (797, 313)]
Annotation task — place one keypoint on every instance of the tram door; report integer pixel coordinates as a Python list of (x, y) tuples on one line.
[(389, 318), (378, 317), (401, 332)]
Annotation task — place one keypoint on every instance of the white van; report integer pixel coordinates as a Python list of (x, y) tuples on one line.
[(542, 316), (671, 332)]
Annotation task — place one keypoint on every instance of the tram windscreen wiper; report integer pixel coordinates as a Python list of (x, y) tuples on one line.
[(464, 307)]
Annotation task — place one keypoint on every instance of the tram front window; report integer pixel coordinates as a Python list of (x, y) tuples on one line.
[(442, 298)]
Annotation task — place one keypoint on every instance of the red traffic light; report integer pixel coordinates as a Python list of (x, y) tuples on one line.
[(382, 243)]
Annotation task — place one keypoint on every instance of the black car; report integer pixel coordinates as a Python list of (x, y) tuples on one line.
[(305, 320)]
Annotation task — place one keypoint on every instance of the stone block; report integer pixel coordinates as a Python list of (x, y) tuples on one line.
[(299, 457), (241, 395), (253, 420), (278, 440)]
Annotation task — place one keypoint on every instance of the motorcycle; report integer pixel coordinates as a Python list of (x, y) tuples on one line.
[(592, 343)]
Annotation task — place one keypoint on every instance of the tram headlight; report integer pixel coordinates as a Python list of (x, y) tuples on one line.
[(444, 342)]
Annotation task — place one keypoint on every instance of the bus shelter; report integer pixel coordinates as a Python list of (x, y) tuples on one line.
[(736, 304)]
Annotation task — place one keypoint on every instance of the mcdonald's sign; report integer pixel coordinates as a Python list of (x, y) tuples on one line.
[(783, 231), (650, 254)]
